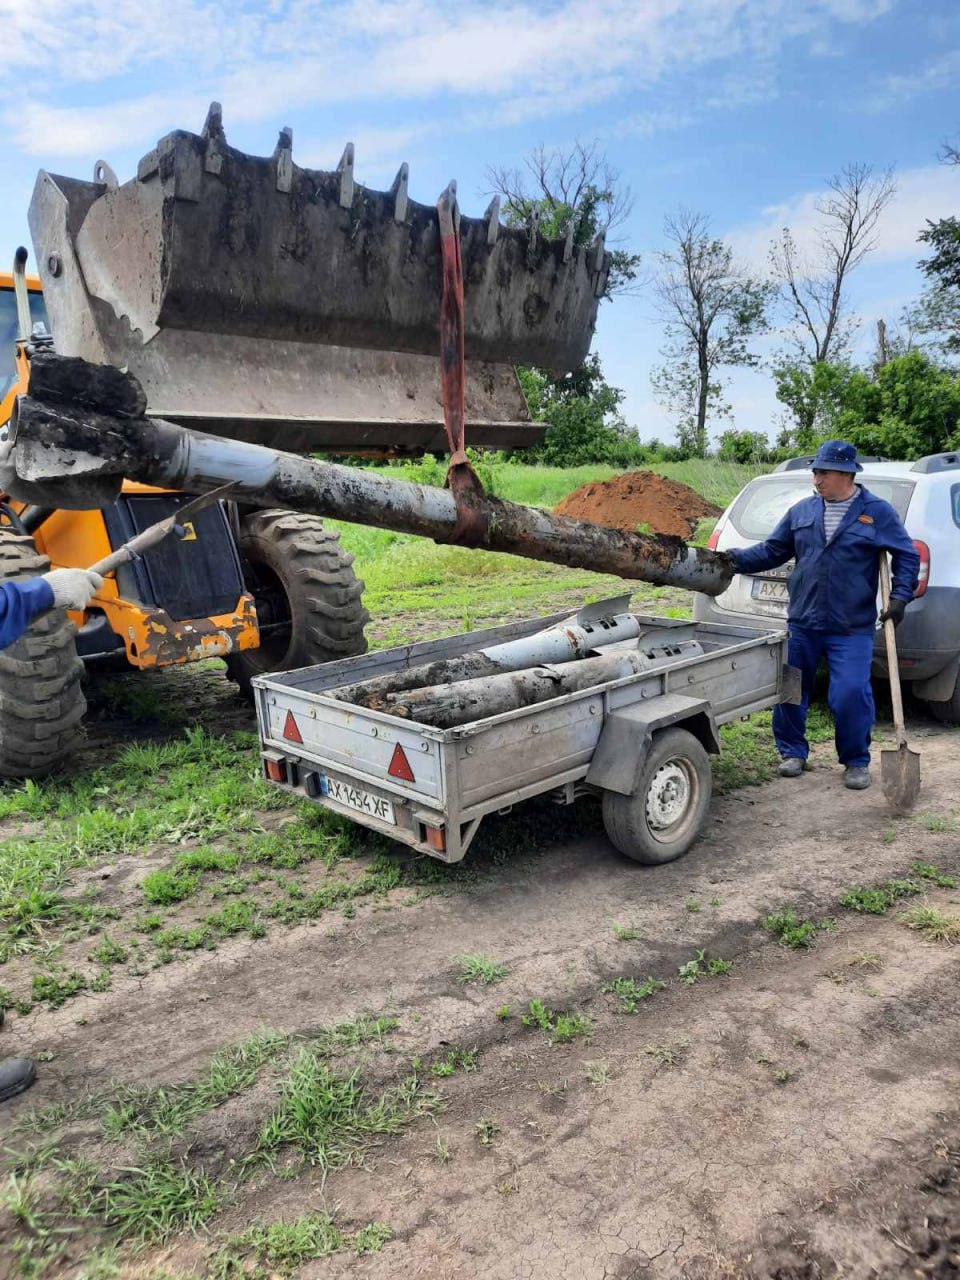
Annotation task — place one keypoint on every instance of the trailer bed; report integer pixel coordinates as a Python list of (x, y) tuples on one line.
[(430, 788)]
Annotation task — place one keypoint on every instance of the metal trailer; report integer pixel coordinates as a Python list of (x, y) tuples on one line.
[(642, 743)]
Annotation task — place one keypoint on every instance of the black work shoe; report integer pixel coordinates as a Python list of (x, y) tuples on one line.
[(16, 1074), (791, 767), (855, 777)]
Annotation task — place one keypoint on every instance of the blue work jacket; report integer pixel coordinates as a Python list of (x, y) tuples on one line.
[(834, 586), (20, 602)]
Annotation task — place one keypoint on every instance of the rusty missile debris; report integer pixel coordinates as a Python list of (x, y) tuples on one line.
[(69, 453), (462, 702), (593, 627)]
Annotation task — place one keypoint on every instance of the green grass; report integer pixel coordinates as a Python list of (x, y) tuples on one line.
[(560, 1027), (625, 933), (284, 1247), (156, 1201), (700, 966), (167, 1111), (935, 925), (332, 1120), (455, 1060), (474, 966), (630, 992), (790, 931)]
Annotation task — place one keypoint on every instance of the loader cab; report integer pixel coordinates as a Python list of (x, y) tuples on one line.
[(10, 371)]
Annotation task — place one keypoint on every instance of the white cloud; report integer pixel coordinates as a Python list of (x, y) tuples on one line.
[(523, 60), (937, 73), (931, 192)]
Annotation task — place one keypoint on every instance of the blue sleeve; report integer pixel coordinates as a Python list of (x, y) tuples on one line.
[(905, 559), (20, 602), (777, 550)]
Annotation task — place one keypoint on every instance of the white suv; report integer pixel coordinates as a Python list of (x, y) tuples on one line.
[(926, 496)]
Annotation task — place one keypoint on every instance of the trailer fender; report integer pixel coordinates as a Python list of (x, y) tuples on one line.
[(628, 732)]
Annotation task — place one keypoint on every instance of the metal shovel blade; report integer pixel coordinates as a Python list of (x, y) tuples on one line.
[(900, 777)]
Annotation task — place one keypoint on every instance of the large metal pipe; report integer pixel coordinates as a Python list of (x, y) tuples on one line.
[(568, 641), (446, 705), (73, 455)]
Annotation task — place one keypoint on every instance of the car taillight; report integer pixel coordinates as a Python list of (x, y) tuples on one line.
[(715, 537), (924, 553)]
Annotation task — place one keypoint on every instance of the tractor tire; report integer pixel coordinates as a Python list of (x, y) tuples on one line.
[(41, 700), (300, 576)]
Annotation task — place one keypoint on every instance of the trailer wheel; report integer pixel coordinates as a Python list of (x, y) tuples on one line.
[(663, 816), (309, 601), (41, 701)]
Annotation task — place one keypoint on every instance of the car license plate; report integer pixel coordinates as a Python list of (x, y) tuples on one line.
[(776, 592), (356, 798)]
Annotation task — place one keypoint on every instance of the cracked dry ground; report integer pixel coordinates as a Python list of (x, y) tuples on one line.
[(798, 1115)]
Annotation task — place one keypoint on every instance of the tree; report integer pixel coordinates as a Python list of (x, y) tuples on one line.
[(911, 407), (578, 186), (937, 314), (814, 286), (583, 411), (711, 308)]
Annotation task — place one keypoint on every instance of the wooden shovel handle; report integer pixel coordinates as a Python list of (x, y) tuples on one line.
[(890, 635)]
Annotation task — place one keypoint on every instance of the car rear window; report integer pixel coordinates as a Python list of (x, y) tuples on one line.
[(763, 502)]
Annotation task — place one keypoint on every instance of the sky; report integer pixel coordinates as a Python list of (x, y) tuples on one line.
[(739, 109)]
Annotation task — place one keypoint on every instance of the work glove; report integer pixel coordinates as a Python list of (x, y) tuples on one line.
[(894, 612), (73, 588)]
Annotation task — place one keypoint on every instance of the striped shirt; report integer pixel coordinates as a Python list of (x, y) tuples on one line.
[(833, 513)]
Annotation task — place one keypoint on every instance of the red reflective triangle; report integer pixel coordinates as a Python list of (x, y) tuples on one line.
[(400, 765), (290, 730)]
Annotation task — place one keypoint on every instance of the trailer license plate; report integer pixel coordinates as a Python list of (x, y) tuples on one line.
[(357, 798), (764, 589)]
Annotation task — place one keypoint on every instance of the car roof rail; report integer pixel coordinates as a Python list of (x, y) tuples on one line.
[(806, 463), (937, 462)]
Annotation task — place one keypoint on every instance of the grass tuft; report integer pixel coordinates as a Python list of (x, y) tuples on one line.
[(477, 967)]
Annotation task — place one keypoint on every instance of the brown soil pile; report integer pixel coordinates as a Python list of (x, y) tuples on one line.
[(639, 498)]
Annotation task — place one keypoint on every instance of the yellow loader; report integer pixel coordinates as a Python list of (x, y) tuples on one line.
[(260, 302)]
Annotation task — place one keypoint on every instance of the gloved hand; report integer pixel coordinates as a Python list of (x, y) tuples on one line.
[(894, 612), (73, 588)]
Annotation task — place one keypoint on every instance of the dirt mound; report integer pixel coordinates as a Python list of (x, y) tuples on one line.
[(639, 498)]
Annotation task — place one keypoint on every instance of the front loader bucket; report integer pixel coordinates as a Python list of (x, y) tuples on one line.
[(251, 297)]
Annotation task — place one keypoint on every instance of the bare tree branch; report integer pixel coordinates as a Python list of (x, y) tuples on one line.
[(579, 186), (711, 308), (850, 212)]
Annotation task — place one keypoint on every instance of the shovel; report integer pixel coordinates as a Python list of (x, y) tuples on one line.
[(899, 769), (155, 533)]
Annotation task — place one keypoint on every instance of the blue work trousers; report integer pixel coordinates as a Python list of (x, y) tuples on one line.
[(850, 695)]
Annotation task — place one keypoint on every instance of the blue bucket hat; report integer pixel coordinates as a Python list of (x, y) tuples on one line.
[(836, 455)]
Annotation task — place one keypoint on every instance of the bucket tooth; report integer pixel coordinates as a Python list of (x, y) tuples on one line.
[(215, 139), (345, 171), (448, 210), (283, 159), (399, 192), (533, 237), (568, 241), (492, 219), (599, 264)]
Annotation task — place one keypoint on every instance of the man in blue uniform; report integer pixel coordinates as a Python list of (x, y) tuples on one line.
[(837, 538), (20, 603)]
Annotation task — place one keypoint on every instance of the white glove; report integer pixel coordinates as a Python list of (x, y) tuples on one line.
[(73, 588)]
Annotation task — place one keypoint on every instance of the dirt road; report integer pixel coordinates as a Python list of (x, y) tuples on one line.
[(793, 1115)]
